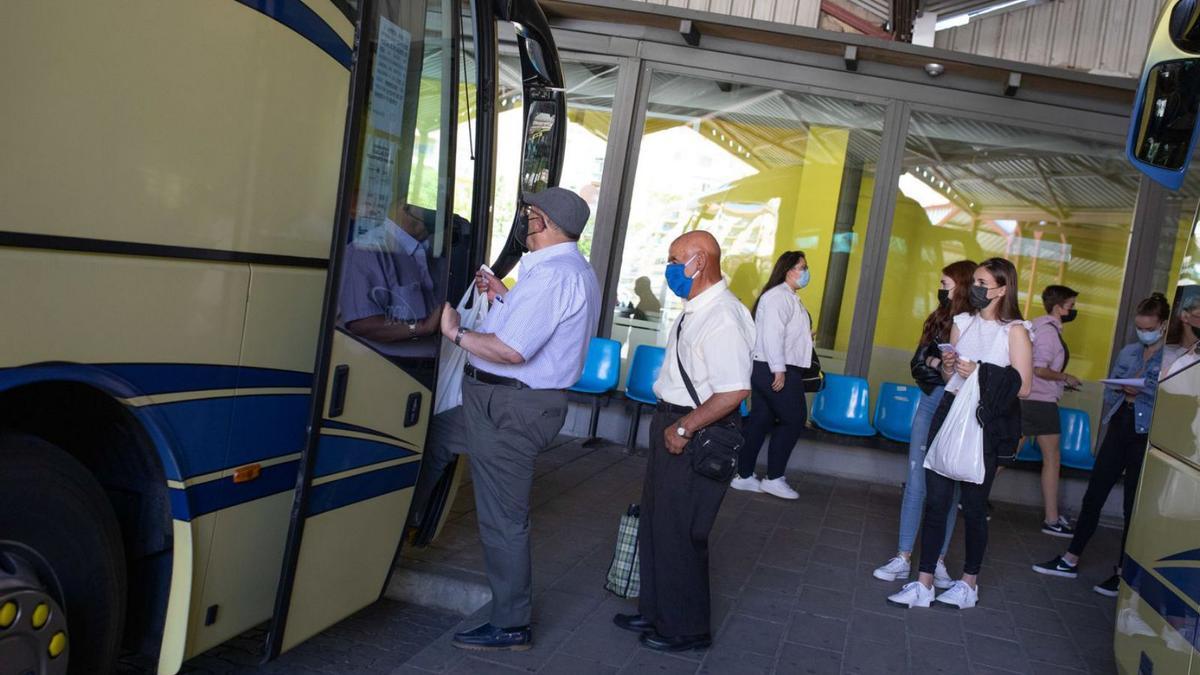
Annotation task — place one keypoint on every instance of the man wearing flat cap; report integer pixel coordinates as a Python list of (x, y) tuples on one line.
[(530, 348)]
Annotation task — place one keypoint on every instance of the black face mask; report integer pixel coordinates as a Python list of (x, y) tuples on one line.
[(979, 297), (1071, 314), (521, 232), (943, 296), (1195, 330)]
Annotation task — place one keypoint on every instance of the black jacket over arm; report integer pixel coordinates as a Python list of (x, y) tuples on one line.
[(999, 411)]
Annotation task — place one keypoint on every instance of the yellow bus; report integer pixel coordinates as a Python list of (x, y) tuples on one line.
[(226, 230), (1158, 611)]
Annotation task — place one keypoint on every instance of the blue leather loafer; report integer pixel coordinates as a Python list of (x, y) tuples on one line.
[(488, 638)]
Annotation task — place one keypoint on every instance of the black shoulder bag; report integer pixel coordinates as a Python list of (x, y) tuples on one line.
[(714, 449)]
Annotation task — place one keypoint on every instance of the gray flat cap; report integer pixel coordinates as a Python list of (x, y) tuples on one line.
[(565, 208)]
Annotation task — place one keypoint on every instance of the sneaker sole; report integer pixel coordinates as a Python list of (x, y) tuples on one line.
[(488, 648), (943, 585), (901, 605), (1060, 535), (744, 489), (783, 497), (1054, 573), (939, 603), (1105, 592), (884, 576)]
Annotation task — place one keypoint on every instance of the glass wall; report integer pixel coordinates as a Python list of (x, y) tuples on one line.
[(1059, 207), (766, 171), (590, 89)]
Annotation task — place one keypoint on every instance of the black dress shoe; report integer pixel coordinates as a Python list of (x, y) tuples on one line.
[(682, 643), (488, 638), (634, 622)]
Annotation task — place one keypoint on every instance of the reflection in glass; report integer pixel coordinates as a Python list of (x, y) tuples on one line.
[(393, 268), (590, 89), (1166, 118), (1057, 206), (766, 171)]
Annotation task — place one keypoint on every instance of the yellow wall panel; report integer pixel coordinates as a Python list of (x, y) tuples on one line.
[(190, 123)]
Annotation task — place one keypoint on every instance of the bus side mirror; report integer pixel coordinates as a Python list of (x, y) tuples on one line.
[(1163, 125)]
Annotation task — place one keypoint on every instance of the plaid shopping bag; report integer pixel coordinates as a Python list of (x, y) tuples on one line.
[(624, 576)]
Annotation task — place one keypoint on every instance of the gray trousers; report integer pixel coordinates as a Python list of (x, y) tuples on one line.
[(502, 429)]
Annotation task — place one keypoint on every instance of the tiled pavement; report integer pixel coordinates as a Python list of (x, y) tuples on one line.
[(792, 590), (792, 585)]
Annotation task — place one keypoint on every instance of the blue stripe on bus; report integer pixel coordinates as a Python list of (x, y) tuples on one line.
[(1173, 609), (224, 493), (212, 434), (171, 378), (308, 24), (362, 487), (342, 453), (1193, 554)]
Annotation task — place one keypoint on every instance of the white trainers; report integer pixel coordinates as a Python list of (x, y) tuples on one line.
[(894, 569), (750, 484), (941, 578), (960, 595), (913, 594), (779, 488)]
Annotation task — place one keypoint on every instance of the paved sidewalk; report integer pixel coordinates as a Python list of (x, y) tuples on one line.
[(792, 584)]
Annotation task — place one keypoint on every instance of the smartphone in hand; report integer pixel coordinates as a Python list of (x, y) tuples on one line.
[(946, 347)]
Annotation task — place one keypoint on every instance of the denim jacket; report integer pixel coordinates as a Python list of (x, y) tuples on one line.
[(1130, 365)]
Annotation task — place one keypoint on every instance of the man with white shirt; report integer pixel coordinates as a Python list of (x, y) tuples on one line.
[(712, 339), (530, 348)]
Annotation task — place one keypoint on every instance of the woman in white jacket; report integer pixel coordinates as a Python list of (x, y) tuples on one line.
[(783, 348)]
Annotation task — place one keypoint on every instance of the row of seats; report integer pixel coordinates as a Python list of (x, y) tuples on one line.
[(842, 407)]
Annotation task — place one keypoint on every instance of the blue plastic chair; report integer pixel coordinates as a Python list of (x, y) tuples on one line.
[(1076, 439), (896, 409), (600, 372), (1029, 451), (639, 384), (844, 406)]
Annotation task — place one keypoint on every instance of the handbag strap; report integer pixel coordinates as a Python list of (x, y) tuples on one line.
[(687, 381)]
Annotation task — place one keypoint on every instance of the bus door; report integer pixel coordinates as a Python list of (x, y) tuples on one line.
[(390, 274), (377, 352)]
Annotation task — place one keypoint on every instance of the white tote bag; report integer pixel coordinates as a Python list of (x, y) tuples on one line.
[(957, 450), (453, 358)]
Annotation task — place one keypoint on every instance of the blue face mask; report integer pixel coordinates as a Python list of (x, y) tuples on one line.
[(805, 277), (678, 280), (1149, 337)]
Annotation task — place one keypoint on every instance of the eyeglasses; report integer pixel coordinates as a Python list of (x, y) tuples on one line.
[(528, 212)]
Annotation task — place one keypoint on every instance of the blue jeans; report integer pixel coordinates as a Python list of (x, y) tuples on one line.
[(913, 504)]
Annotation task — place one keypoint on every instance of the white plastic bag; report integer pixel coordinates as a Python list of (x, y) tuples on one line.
[(957, 450), (453, 358)]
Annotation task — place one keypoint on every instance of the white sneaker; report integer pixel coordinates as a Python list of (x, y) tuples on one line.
[(750, 484), (913, 594), (779, 488), (960, 595), (941, 578), (892, 570)]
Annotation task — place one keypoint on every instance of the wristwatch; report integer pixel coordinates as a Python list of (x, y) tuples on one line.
[(461, 332), (681, 432)]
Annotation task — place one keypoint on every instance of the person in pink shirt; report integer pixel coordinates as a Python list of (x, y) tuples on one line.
[(1039, 412)]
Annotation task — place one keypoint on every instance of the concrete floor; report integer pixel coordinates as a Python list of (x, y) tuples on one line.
[(792, 586), (792, 590)]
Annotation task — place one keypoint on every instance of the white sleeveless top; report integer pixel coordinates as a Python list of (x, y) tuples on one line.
[(982, 341)]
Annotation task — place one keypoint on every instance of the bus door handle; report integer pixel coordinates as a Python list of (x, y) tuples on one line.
[(337, 398)]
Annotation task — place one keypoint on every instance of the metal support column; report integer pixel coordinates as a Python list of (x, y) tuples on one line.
[(1148, 227)]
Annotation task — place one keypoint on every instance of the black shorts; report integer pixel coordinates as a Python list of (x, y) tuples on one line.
[(1039, 418)]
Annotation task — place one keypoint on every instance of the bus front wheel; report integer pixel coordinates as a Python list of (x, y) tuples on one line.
[(62, 565)]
